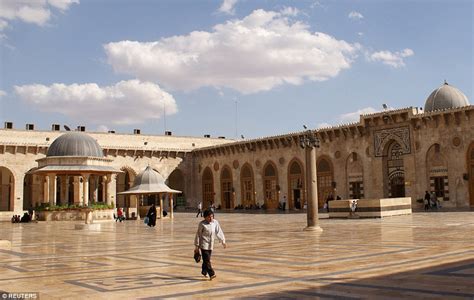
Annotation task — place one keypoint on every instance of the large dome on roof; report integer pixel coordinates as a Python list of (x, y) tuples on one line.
[(75, 144), (445, 97)]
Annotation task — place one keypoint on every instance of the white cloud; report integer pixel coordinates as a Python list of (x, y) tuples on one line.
[(3, 24), (256, 53), (228, 7), (2, 93), (127, 102), (62, 5), (355, 15), (290, 11), (355, 116), (30, 11), (393, 59)]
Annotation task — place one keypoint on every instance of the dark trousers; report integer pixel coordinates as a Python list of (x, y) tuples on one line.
[(199, 213), (206, 262)]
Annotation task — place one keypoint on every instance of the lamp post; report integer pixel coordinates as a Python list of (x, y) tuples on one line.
[(310, 142)]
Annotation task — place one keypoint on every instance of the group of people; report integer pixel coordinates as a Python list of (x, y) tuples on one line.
[(330, 198), (431, 201), (25, 219)]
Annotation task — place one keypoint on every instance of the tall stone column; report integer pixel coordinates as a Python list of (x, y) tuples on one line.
[(310, 142), (312, 201), (85, 188), (53, 185)]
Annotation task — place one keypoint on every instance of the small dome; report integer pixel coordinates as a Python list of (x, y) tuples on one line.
[(148, 177), (445, 97), (75, 144)]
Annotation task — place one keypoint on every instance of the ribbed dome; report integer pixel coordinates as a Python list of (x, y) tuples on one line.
[(149, 182), (444, 97), (75, 144)]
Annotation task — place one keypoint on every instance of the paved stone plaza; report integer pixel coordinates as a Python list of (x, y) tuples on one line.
[(424, 255)]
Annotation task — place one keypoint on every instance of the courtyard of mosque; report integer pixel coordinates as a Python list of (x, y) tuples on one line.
[(423, 255)]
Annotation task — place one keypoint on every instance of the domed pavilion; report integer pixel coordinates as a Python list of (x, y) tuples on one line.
[(75, 171)]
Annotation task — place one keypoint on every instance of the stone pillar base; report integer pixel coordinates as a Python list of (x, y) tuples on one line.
[(313, 229)]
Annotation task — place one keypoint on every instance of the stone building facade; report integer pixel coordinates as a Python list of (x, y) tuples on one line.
[(392, 153)]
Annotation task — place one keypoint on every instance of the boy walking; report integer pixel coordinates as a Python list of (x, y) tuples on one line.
[(208, 230)]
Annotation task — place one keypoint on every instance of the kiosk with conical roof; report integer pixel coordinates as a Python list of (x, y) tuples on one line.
[(150, 182)]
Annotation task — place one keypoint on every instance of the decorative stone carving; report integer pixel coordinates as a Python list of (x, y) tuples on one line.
[(456, 141), (281, 160), (235, 164), (401, 135), (216, 166)]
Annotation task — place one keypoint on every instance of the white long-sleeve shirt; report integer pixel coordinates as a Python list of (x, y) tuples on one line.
[(207, 233)]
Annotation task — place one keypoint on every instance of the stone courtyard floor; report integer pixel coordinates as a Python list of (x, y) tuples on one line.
[(424, 255)]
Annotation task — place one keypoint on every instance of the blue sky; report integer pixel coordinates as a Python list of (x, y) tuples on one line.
[(225, 68)]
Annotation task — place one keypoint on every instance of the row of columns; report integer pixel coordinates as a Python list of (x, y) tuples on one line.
[(81, 189)]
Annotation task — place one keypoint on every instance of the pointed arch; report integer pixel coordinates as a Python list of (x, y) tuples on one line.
[(123, 183), (296, 183), (227, 188), (325, 174), (270, 185), (7, 189), (393, 169), (207, 188), (355, 176), (247, 186)]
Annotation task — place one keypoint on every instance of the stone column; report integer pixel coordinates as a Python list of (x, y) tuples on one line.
[(53, 185), (46, 189), (95, 193), (312, 200), (111, 189), (85, 188), (171, 205)]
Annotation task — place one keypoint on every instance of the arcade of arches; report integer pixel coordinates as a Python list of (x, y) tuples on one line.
[(394, 153)]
